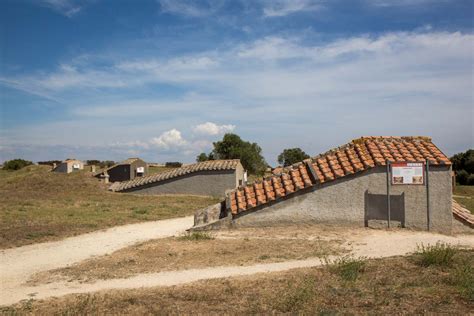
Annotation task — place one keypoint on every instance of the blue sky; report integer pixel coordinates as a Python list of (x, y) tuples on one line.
[(163, 79)]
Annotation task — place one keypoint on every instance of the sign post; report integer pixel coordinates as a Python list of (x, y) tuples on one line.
[(428, 195), (388, 193)]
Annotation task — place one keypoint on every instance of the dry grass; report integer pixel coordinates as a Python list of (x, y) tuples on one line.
[(196, 250), (153, 170), (37, 205), (386, 286), (464, 195)]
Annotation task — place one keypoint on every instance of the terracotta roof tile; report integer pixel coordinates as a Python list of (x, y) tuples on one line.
[(359, 155), (177, 172)]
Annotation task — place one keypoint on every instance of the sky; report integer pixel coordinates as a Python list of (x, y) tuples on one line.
[(163, 79)]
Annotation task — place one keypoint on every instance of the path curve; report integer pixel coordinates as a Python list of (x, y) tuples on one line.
[(365, 242), (18, 264)]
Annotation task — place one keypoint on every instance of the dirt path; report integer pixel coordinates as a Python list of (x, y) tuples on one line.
[(362, 242), (18, 264)]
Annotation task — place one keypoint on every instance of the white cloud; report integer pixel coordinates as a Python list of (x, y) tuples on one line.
[(213, 129), (396, 83), (190, 8), (65, 7), (277, 8), (171, 139)]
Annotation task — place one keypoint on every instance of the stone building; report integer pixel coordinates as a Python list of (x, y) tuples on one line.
[(350, 184), (211, 178), (68, 166), (126, 170)]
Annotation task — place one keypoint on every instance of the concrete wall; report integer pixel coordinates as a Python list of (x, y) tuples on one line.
[(212, 183), (133, 168), (343, 202), (239, 175), (67, 167)]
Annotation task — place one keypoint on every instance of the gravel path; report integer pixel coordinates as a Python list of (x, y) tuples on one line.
[(362, 242), (18, 264)]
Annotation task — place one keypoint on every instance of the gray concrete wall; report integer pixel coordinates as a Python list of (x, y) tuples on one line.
[(62, 167), (239, 175), (343, 202), (212, 183)]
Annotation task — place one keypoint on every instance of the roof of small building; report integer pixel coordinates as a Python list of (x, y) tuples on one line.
[(196, 167), (360, 154), (125, 162)]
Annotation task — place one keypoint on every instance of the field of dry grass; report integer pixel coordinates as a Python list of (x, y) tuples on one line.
[(153, 170), (464, 195), (37, 205), (199, 250), (397, 285)]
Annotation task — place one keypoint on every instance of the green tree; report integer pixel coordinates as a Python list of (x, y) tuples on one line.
[(233, 147), (16, 164), (202, 157), (292, 155), (463, 165)]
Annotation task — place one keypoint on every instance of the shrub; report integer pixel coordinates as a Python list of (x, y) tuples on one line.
[(461, 177), (440, 254), (173, 164), (16, 164), (347, 267), (295, 298), (196, 236), (464, 279), (470, 179)]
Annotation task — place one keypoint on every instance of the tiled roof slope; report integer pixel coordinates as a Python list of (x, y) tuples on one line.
[(463, 214), (359, 155), (200, 166)]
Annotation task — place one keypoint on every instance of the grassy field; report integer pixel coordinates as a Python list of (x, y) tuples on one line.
[(199, 250), (464, 195), (37, 205), (397, 285), (153, 170)]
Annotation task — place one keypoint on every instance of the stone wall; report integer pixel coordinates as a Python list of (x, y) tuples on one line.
[(343, 202), (211, 183)]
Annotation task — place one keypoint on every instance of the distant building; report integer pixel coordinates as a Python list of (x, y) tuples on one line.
[(68, 166), (126, 170), (211, 178)]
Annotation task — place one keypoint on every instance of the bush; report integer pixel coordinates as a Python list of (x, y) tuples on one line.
[(347, 267), (295, 298), (196, 236), (440, 254), (173, 164), (49, 162), (470, 179), (461, 177), (292, 155), (16, 164), (464, 279)]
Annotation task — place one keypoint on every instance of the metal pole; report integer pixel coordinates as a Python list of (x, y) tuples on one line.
[(428, 194), (388, 192)]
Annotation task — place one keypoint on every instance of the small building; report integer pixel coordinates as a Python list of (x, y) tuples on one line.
[(371, 181), (126, 170), (68, 166), (211, 178)]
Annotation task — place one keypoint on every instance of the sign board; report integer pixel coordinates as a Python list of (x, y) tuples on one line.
[(76, 166), (408, 173), (140, 169)]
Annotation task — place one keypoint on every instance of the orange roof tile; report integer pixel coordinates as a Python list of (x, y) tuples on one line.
[(359, 155)]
